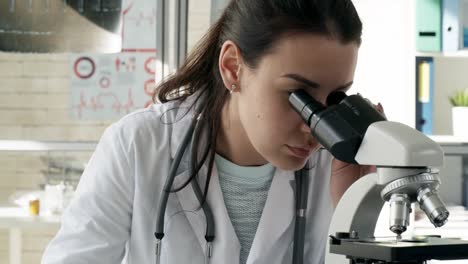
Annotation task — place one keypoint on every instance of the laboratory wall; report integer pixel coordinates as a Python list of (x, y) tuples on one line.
[(35, 100), (385, 69), (34, 105)]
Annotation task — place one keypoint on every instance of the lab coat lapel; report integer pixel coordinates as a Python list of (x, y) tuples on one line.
[(186, 196), (189, 203), (226, 246), (276, 229)]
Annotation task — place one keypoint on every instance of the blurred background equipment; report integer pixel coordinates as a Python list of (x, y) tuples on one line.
[(60, 26)]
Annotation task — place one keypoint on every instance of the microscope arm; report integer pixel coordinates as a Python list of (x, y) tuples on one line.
[(358, 210)]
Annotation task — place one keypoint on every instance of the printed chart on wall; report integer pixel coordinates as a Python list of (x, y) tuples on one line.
[(139, 25), (109, 86)]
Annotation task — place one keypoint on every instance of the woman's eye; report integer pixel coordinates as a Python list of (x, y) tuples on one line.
[(294, 89)]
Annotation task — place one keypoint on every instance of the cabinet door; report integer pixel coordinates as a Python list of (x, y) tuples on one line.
[(428, 25)]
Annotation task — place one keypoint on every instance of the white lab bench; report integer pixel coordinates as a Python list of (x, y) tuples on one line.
[(457, 226), (17, 219), (456, 146)]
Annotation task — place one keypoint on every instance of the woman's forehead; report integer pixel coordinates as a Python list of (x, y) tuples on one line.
[(302, 53)]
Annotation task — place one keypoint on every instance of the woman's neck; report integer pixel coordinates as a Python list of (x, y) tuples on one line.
[(232, 141)]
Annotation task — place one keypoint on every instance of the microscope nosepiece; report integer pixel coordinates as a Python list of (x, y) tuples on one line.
[(430, 203)]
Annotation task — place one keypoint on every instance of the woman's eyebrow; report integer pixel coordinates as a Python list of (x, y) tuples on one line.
[(347, 85), (302, 79), (310, 83)]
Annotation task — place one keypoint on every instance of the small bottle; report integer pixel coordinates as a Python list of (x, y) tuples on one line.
[(34, 207)]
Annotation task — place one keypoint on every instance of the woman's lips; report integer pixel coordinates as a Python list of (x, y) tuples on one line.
[(299, 151)]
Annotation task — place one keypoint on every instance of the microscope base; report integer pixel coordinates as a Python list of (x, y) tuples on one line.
[(407, 251)]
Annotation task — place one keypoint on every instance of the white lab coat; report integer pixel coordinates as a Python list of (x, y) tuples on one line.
[(113, 214)]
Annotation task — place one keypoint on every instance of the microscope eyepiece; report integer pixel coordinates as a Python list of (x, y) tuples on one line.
[(339, 126), (335, 97), (305, 105)]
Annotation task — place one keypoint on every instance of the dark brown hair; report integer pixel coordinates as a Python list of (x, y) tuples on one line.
[(254, 26)]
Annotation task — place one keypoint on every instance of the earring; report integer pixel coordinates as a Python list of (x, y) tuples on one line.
[(233, 88)]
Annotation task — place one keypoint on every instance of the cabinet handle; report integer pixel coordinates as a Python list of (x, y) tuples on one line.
[(427, 34)]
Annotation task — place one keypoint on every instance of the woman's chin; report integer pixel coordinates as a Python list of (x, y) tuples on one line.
[(291, 164)]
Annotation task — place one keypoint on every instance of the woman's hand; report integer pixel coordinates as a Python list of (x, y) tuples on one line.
[(344, 174)]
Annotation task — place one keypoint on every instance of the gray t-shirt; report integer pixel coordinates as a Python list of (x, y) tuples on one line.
[(245, 190)]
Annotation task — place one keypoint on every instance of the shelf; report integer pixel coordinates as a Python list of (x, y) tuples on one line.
[(455, 54), (30, 145), (452, 145), (16, 217), (449, 139)]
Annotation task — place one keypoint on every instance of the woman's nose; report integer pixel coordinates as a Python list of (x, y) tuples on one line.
[(305, 128)]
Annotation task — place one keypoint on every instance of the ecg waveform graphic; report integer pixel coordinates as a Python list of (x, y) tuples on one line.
[(99, 102), (143, 17)]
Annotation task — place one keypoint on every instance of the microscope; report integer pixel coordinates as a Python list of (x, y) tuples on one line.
[(352, 130)]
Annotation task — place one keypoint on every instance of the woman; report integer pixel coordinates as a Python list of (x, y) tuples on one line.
[(250, 143)]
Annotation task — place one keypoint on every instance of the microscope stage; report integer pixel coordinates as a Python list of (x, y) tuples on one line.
[(407, 250)]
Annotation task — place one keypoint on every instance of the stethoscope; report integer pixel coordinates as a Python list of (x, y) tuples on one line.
[(301, 179)]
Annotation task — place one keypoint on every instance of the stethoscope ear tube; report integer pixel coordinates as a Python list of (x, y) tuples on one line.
[(210, 224), (188, 142), (159, 234)]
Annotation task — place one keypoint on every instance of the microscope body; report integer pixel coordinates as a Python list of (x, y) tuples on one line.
[(407, 164)]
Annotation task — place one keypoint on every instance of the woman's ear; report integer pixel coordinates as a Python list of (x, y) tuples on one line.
[(229, 64)]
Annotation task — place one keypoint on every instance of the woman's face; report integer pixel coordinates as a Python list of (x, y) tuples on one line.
[(317, 64)]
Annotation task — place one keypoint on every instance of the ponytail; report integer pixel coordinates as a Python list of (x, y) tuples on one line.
[(200, 74), (199, 71)]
